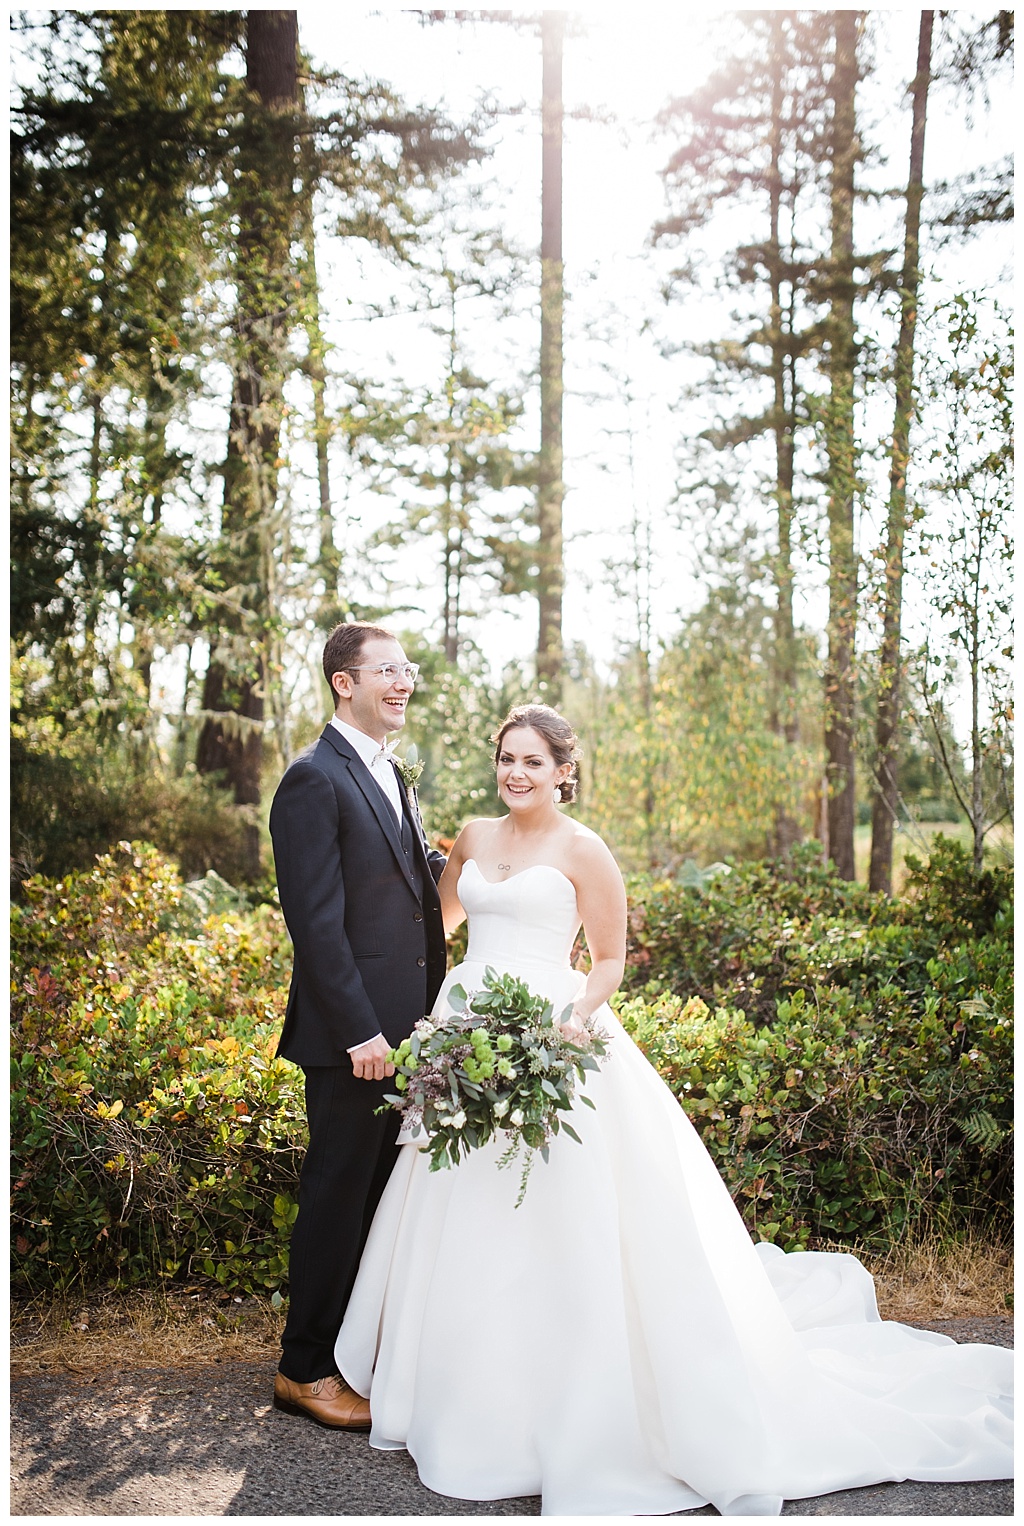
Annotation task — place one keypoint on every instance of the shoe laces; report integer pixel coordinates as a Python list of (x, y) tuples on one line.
[(336, 1389)]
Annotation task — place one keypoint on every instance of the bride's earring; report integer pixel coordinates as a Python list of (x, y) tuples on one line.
[(556, 796)]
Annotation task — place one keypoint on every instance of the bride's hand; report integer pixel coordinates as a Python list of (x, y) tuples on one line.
[(574, 1027)]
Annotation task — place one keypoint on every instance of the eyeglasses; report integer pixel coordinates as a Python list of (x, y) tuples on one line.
[(389, 671)]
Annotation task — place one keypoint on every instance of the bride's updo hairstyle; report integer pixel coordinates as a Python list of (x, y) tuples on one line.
[(563, 743)]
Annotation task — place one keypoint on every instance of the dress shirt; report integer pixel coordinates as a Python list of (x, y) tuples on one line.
[(378, 761)]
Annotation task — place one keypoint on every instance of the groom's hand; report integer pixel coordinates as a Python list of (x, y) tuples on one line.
[(370, 1060)]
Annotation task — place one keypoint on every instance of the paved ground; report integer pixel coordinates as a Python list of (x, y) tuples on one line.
[(208, 1442)]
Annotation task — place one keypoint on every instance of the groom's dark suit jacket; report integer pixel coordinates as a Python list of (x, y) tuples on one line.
[(358, 895), (362, 909)]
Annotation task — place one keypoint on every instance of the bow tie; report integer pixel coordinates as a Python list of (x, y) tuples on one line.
[(384, 754)]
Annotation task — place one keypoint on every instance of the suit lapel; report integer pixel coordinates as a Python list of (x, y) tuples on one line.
[(375, 796), (411, 807)]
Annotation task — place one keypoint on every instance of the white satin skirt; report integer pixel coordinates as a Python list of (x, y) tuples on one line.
[(618, 1346)]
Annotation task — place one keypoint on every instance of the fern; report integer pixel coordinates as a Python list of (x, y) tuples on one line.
[(981, 1129)]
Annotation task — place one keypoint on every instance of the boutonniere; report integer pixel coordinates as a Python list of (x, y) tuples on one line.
[(410, 767)]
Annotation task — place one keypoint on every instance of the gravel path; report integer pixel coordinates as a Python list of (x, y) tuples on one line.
[(208, 1442)]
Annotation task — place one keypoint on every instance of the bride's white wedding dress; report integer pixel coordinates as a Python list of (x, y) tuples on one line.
[(617, 1344)]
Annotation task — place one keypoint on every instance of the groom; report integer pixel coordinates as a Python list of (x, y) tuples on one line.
[(358, 892)]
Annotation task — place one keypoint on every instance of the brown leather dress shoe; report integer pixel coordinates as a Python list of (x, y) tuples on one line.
[(329, 1401)]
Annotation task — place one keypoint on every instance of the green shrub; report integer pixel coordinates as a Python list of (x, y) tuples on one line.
[(74, 796), (757, 932), (154, 1132), (845, 1058)]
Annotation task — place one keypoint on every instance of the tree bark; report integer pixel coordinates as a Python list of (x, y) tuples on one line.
[(786, 831), (154, 456), (453, 518), (328, 555), (328, 562), (550, 489), (977, 812), (237, 675), (887, 724), (840, 684)]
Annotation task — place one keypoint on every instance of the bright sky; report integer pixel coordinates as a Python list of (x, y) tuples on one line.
[(624, 68)]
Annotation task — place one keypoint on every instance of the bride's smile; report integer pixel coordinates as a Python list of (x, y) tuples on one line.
[(527, 774)]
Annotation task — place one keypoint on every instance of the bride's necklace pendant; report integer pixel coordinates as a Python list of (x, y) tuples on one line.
[(504, 866)]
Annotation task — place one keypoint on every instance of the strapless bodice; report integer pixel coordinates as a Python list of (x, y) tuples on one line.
[(529, 919)]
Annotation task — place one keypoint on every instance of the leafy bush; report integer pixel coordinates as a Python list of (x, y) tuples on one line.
[(845, 1058), (72, 797), (756, 932), (154, 1132)]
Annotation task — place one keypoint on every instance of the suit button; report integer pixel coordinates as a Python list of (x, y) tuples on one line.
[(417, 916), (421, 962)]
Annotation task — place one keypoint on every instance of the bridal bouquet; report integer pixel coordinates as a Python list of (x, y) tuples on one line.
[(498, 1060)]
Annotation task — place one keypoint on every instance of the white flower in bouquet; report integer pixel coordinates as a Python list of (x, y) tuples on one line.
[(449, 1069)]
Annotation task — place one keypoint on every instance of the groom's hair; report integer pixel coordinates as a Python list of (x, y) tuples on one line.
[(345, 645)]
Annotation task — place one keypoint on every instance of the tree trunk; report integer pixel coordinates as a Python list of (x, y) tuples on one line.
[(452, 519), (451, 561), (886, 797), (977, 812), (99, 382), (550, 490), (840, 689), (786, 831), (154, 468), (328, 562), (94, 597), (328, 555), (180, 754), (237, 675)]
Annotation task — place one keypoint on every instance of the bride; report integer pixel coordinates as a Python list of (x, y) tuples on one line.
[(617, 1344)]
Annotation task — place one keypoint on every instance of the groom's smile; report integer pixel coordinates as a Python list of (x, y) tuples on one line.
[(376, 702)]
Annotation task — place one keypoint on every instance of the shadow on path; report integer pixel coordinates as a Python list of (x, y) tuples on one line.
[(208, 1442)]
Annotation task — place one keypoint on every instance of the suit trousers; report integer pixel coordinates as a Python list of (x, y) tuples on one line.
[(351, 1154)]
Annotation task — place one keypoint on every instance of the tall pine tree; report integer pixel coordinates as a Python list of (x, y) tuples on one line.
[(234, 693), (755, 135), (841, 449), (887, 723)]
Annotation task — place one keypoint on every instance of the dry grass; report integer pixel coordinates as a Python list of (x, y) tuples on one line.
[(919, 1280), (186, 1328), (938, 1278)]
